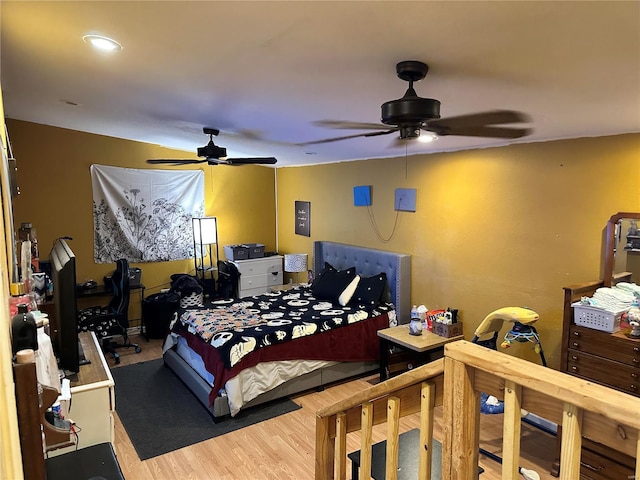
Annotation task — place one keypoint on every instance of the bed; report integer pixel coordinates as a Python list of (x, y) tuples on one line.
[(276, 371)]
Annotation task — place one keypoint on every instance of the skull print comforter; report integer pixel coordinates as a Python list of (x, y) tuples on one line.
[(235, 328)]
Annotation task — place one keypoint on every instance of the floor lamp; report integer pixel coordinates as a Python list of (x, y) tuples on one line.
[(295, 263), (205, 234)]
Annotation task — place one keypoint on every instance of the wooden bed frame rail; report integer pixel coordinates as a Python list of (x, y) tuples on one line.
[(582, 408)]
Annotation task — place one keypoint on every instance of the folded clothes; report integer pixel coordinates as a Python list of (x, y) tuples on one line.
[(614, 299)]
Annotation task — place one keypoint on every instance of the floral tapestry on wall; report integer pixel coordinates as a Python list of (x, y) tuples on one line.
[(145, 215)]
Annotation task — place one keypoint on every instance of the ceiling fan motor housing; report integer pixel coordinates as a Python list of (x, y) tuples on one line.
[(410, 113), (212, 151)]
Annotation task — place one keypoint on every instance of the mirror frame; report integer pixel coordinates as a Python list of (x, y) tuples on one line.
[(610, 242)]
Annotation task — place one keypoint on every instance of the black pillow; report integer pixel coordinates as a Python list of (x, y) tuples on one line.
[(327, 268), (331, 283), (369, 290)]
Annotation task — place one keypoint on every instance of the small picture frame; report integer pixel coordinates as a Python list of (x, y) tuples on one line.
[(303, 218)]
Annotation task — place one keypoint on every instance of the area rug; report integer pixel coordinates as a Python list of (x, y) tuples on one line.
[(160, 414)]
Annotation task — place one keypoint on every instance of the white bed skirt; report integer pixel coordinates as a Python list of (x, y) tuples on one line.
[(250, 382)]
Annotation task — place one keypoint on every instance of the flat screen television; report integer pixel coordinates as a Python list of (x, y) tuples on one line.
[(63, 275)]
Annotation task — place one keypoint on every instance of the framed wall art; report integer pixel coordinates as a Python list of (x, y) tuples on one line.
[(303, 218)]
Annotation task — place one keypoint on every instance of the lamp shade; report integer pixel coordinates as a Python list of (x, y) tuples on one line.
[(295, 262), (205, 230)]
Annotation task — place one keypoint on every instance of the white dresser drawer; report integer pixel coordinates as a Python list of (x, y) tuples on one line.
[(274, 278), (258, 275), (259, 266)]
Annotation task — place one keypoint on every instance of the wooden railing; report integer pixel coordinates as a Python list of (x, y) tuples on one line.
[(582, 408)]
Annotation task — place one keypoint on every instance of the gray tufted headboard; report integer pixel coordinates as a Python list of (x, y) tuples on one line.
[(369, 261)]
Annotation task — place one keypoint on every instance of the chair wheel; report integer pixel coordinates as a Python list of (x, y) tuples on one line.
[(117, 359), (138, 349)]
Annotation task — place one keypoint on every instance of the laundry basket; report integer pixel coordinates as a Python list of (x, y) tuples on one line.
[(596, 318)]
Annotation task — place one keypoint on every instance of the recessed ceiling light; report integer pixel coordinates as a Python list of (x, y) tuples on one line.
[(103, 43), (427, 137)]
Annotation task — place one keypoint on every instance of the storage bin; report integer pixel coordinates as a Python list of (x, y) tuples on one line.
[(596, 318), (256, 250), (447, 330), (157, 311), (244, 251), (236, 252)]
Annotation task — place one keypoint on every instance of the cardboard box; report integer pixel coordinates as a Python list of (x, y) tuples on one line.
[(448, 331)]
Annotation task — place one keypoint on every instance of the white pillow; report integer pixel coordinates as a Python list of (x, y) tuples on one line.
[(348, 292)]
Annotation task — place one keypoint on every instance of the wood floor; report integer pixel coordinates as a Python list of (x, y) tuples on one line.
[(283, 448)]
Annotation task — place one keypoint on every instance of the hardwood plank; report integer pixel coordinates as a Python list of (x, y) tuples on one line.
[(284, 448)]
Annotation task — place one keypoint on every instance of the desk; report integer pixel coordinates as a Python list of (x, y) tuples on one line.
[(399, 349), (103, 291)]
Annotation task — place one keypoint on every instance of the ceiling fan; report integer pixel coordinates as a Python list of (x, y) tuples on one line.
[(411, 114), (214, 155)]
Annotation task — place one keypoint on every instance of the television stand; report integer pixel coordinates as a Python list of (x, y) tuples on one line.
[(92, 398)]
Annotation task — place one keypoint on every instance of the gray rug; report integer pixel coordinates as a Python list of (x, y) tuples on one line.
[(160, 414)]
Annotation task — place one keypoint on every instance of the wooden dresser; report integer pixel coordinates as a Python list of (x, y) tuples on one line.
[(610, 359)]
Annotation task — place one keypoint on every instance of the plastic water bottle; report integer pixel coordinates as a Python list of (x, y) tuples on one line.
[(415, 326)]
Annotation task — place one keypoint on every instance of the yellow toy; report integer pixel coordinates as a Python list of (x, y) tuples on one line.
[(522, 330)]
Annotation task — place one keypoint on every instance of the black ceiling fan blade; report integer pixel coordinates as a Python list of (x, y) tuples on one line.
[(346, 137), (339, 124), (245, 161), (169, 161), (483, 131), (493, 117)]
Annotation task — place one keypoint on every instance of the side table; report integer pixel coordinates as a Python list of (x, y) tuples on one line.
[(415, 349)]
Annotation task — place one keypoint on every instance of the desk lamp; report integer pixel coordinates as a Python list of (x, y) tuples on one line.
[(295, 263)]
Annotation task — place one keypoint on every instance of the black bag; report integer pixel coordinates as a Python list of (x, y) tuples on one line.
[(228, 278), (157, 312)]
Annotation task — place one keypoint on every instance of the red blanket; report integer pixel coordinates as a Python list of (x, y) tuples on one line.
[(354, 343)]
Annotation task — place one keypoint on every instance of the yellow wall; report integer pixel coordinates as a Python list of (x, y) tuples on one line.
[(493, 227), (55, 185), (10, 459)]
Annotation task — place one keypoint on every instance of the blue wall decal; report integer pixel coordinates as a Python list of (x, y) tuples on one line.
[(362, 196)]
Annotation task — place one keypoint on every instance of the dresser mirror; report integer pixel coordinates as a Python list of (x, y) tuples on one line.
[(622, 247)]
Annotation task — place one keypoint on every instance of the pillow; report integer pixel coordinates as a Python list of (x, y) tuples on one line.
[(327, 268), (331, 283), (347, 293), (369, 290)]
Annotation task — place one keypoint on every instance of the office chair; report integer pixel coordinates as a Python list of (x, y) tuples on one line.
[(113, 319)]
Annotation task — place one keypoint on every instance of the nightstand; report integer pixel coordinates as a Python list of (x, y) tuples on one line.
[(399, 350)]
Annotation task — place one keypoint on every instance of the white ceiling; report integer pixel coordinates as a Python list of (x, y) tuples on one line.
[(262, 72)]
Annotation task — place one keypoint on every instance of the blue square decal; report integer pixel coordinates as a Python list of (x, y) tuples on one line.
[(362, 196)]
